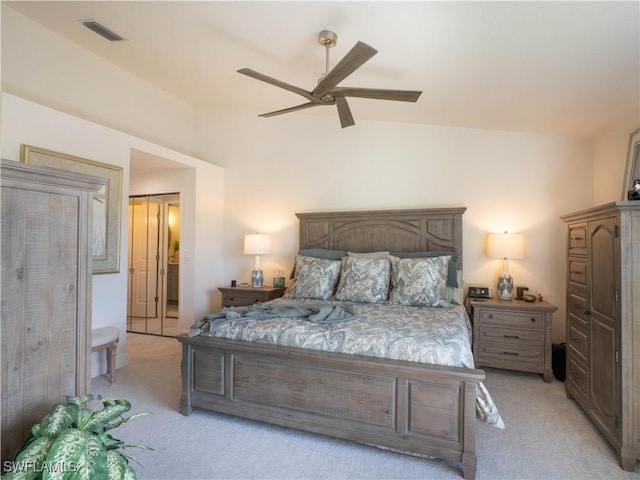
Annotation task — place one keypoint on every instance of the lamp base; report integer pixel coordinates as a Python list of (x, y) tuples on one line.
[(257, 278), (505, 287)]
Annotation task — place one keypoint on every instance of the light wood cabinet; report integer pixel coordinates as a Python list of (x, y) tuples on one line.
[(513, 334), (46, 293), (603, 321)]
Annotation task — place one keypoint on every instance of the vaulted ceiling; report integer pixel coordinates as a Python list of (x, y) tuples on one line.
[(565, 68)]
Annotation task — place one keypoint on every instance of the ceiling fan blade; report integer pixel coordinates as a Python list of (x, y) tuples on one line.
[(356, 57), (272, 81), (377, 93), (293, 109), (344, 112)]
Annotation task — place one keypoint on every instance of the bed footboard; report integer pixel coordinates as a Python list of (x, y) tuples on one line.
[(420, 409)]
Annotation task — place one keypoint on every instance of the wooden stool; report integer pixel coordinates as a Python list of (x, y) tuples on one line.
[(106, 337)]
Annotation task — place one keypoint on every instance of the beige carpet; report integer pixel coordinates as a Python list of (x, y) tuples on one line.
[(547, 435)]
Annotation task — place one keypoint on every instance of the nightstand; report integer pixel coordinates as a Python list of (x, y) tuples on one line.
[(513, 334), (243, 296)]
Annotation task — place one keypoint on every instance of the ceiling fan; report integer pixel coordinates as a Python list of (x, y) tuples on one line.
[(327, 91)]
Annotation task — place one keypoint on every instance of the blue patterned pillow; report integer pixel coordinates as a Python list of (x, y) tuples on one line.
[(318, 253), (364, 280), (419, 281), (452, 280), (315, 278)]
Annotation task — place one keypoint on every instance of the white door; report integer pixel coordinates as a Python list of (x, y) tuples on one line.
[(144, 241)]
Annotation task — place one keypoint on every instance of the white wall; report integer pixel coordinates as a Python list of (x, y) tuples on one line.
[(44, 67), (24, 122), (609, 161)]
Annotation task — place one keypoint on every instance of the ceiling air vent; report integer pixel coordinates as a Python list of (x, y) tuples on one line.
[(102, 31)]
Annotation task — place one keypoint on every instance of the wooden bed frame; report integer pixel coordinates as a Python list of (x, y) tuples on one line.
[(420, 409)]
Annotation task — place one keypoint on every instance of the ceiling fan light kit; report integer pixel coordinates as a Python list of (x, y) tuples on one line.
[(327, 91)]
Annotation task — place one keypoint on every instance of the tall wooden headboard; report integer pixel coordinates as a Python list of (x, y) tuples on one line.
[(419, 230)]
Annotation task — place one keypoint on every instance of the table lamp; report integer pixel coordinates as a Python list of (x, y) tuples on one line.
[(257, 244), (505, 245)]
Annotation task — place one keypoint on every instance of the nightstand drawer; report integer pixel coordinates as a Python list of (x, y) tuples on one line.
[(506, 356), (239, 299), (247, 296), (511, 337), (512, 319)]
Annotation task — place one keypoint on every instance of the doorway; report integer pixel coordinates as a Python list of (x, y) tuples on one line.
[(153, 292)]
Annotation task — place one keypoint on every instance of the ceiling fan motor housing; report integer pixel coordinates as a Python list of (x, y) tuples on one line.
[(327, 38)]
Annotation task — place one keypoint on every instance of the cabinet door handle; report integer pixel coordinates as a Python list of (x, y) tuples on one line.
[(574, 272), (533, 320), (511, 353), (587, 312), (491, 315), (512, 336)]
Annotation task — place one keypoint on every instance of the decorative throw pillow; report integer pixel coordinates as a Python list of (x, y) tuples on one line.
[(315, 278), (318, 253), (419, 281), (364, 280), (451, 276)]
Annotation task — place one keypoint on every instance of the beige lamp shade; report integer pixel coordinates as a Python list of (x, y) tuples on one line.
[(505, 245), (257, 244)]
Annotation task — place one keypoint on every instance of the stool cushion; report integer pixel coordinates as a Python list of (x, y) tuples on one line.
[(100, 336)]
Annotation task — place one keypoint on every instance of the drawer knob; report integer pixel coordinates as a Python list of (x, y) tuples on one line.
[(491, 315), (533, 320), (587, 312)]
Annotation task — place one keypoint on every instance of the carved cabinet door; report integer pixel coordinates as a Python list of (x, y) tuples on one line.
[(604, 308)]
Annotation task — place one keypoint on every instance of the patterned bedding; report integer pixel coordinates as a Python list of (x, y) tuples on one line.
[(419, 334)]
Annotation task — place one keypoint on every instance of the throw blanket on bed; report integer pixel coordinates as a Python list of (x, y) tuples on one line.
[(320, 313)]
